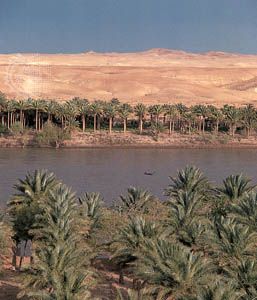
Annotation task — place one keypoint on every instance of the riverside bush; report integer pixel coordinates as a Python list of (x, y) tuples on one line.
[(52, 135)]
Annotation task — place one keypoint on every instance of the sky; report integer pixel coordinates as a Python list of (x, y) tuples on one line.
[(73, 26)]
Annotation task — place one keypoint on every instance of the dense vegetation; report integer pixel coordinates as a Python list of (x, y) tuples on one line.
[(16, 115), (199, 244)]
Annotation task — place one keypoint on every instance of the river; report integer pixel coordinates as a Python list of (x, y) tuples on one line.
[(110, 171)]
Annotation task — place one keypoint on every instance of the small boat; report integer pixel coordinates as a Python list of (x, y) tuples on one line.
[(149, 173)]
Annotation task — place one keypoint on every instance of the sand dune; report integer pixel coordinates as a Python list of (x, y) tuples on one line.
[(157, 75)]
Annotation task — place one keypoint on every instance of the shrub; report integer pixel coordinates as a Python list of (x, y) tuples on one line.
[(52, 135)]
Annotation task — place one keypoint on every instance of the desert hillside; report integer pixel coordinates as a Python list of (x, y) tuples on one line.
[(157, 75)]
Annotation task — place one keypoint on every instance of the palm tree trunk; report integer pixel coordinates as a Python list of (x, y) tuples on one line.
[(173, 126), (21, 120), (125, 125), (37, 120), (110, 125), (217, 127), (121, 277), (140, 125), (8, 119), (169, 126), (94, 123), (98, 122), (83, 123)]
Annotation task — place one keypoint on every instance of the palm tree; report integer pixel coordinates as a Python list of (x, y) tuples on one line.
[(140, 111), (200, 111), (60, 270), (135, 200), (185, 222), (245, 211), (129, 241), (83, 109), (249, 117), (110, 111), (10, 108), (51, 108), (156, 110), (3, 100), (244, 276), (188, 179), (171, 271), (235, 187), (219, 290), (231, 241), (182, 109), (124, 111), (22, 106), (96, 109), (71, 113), (24, 204), (91, 204), (172, 113), (216, 116), (233, 116)]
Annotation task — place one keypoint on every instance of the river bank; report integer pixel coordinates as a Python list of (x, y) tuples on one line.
[(131, 140)]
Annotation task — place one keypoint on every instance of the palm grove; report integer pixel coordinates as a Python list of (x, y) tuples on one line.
[(18, 115), (199, 244)]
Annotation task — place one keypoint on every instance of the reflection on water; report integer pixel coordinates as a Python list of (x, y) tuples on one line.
[(111, 171)]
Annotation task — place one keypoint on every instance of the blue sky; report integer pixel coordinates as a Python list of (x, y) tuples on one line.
[(70, 26)]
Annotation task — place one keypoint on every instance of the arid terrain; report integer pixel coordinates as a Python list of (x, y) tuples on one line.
[(157, 75)]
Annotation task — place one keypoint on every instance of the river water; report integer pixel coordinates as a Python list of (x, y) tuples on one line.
[(111, 171)]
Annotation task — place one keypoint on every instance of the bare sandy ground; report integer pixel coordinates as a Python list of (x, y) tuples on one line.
[(157, 75)]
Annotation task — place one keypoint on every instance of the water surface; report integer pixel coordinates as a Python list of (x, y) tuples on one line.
[(111, 171)]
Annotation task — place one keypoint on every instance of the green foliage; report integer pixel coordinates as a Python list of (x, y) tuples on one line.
[(60, 270), (92, 209), (136, 200), (24, 205), (171, 270), (200, 244), (52, 135)]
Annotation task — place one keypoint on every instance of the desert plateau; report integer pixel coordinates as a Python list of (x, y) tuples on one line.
[(153, 76)]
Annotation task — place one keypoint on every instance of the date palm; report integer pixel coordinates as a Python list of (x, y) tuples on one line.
[(124, 111), (22, 106), (235, 187), (216, 116), (135, 200), (244, 277), (51, 108), (10, 108), (91, 204), (172, 113), (110, 111), (220, 291), (172, 272), (156, 110), (249, 118), (184, 222), (83, 110), (96, 110), (188, 179), (245, 211), (230, 242), (232, 116), (3, 101), (140, 110), (60, 270), (201, 112), (130, 239)]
